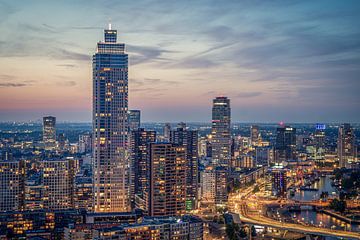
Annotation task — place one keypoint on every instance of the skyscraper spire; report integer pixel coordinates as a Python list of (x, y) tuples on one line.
[(109, 28)]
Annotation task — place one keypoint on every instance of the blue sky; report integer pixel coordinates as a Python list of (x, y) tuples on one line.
[(292, 61)]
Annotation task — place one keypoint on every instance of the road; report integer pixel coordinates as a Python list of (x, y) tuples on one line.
[(240, 202)]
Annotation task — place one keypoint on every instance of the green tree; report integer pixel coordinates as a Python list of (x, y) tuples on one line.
[(338, 205)]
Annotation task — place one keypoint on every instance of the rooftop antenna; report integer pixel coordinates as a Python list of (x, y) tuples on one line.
[(109, 23)]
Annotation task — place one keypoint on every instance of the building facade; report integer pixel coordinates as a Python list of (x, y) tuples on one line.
[(134, 117), (59, 183), (346, 146), (221, 132), (49, 132), (285, 146), (188, 139), (140, 165), (110, 125), (12, 180), (167, 180)]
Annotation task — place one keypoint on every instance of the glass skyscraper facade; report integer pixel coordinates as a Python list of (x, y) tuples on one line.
[(49, 132), (221, 133), (110, 125)]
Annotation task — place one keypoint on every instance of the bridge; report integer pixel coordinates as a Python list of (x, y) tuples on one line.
[(307, 229)]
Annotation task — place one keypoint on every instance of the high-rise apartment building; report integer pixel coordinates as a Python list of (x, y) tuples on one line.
[(49, 132), (134, 119), (221, 132), (188, 139), (346, 146), (140, 165), (12, 179), (110, 125), (167, 179), (221, 192), (59, 183), (285, 146)]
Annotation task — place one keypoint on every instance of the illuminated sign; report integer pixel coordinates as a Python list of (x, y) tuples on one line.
[(320, 126)]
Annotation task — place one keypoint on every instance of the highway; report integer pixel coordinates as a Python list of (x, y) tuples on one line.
[(240, 202)]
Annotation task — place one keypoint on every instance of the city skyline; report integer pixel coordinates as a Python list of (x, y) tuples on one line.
[(294, 62)]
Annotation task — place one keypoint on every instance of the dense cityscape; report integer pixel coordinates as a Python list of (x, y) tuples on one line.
[(122, 177)]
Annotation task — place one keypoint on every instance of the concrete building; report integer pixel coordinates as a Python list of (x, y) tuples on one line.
[(167, 180)]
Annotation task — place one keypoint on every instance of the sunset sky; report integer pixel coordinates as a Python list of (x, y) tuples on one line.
[(292, 61)]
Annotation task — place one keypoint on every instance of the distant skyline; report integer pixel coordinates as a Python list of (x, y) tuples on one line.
[(291, 61)]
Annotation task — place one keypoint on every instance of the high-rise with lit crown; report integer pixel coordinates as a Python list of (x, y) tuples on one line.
[(221, 133), (110, 125), (49, 132)]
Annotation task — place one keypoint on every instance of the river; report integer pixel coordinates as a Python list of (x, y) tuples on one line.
[(315, 218)]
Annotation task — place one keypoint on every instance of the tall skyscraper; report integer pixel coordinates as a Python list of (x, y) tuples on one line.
[(285, 146), (49, 132), (167, 179), (221, 132), (134, 119), (346, 146), (188, 139), (110, 125), (140, 165)]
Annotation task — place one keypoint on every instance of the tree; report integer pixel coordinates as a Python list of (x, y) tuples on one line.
[(338, 205)]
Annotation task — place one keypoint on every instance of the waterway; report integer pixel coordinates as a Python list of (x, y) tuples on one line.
[(323, 185), (315, 218)]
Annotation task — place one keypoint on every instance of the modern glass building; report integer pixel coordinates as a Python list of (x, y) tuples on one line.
[(110, 125), (285, 145), (221, 132), (134, 119), (49, 132)]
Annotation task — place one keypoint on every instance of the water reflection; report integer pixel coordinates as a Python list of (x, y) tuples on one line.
[(323, 185)]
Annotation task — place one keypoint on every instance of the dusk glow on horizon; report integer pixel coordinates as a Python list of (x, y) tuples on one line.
[(291, 61)]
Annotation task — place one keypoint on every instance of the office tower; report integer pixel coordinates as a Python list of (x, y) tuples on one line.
[(167, 179), (134, 119), (285, 146), (279, 182), (221, 132), (34, 192), (319, 136), (12, 177), (167, 130), (346, 146), (188, 139), (255, 135), (49, 132), (110, 125), (221, 192), (140, 165), (58, 181), (85, 143)]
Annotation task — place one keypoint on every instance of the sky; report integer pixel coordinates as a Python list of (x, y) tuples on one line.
[(291, 61)]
